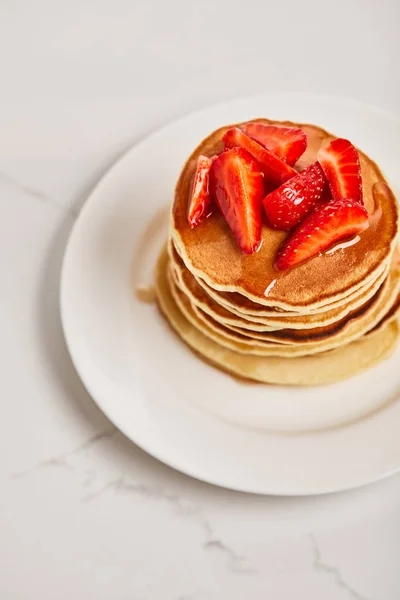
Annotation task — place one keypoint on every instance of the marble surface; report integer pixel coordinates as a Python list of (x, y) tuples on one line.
[(85, 514)]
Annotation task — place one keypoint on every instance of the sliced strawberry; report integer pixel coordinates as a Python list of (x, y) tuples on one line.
[(275, 170), (292, 201), (200, 201), (237, 185), (287, 143), (328, 224), (341, 165)]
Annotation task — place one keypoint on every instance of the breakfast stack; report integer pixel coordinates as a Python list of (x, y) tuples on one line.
[(281, 264)]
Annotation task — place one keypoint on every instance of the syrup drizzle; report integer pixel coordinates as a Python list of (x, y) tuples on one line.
[(269, 288), (344, 245)]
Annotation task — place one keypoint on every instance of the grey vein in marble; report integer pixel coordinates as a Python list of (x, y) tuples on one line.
[(61, 460), (149, 491), (35, 193), (235, 562), (320, 566)]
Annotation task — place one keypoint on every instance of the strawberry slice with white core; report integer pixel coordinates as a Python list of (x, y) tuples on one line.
[(341, 164), (287, 206), (287, 143), (237, 185), (275, 170), (334, 221), (200, 200)]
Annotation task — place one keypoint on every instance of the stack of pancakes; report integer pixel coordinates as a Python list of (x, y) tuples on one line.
[(322, 321)]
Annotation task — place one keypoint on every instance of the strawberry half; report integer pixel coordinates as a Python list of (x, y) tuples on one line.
[(287, 206), (200, 200), (287, 143), (341, 165), (238, 185), (328, 224), (275, 170)]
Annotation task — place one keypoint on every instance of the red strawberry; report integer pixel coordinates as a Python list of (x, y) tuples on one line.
[(237, 185), (200, 199), (341, 165), (328, 224), (275, 170), (292, 201), (287, 143)]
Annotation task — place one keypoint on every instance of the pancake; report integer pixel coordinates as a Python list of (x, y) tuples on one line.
[(323, 368), (282, 336), (200, 298), (242, 306), (211, 254), (301, 335), (351, 330)]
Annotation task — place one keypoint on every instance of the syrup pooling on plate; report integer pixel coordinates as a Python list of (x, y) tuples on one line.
[(145, 293), (146, 252)]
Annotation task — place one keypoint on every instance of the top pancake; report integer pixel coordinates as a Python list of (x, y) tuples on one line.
[(210, 252)]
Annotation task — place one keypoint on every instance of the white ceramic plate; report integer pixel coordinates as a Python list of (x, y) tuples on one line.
[(254, 438)]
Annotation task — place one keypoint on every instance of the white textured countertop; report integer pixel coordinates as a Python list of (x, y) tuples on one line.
[(84, 514)]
